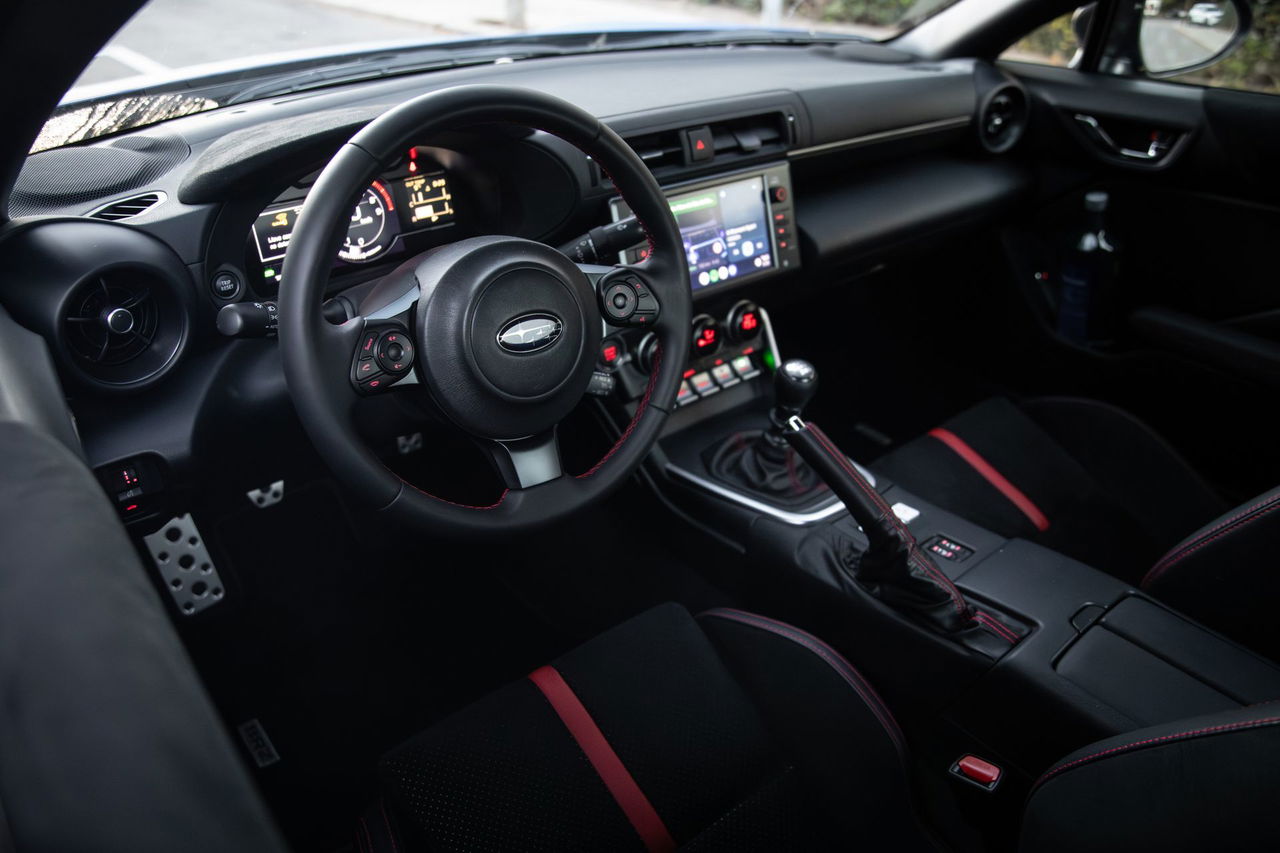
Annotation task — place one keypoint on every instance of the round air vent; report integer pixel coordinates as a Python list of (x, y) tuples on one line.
[(1002, 118), (112, 320), (122, 326)]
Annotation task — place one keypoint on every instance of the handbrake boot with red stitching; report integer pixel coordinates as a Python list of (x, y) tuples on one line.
[(892, 568)]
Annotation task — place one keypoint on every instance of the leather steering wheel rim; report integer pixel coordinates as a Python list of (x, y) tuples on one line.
[(317, 354)]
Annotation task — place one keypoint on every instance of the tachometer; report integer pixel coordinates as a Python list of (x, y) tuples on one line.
[(368, 235)]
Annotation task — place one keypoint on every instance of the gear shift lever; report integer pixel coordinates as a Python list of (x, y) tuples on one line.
[(794, 385), (762, 463)]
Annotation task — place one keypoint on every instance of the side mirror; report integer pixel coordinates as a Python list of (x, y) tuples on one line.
[(1177, 36)]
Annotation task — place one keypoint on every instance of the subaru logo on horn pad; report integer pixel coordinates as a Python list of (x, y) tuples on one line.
[(530, 333)]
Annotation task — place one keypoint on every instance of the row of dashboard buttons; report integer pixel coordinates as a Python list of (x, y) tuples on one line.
[(711, 381)]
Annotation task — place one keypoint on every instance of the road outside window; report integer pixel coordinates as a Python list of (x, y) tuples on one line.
[(1178, 33)]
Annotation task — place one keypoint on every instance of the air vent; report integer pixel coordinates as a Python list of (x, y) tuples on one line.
[(111, 320), (659, 150), (128, 207), (737, 139), (123, 327), (1002, 117)]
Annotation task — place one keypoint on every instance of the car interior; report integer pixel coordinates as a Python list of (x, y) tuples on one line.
[(798, 444)]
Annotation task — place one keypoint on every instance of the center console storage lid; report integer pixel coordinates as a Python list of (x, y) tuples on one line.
[(1153, 665)]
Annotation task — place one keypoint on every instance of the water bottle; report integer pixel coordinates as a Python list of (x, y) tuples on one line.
[(1087, 276)]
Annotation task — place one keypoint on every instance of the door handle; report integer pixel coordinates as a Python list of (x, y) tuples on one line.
[(1094, 130)]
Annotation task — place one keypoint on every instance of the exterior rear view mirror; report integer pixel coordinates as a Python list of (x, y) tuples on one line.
[(1177, 36)]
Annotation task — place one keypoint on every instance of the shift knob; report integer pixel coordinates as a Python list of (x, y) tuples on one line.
[(794, 385)]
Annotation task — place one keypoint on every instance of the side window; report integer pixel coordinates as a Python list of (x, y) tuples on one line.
[(1202, 43), (1252, 65), (1054, 43)]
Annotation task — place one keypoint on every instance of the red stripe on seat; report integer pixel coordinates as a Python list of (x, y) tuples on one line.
[(992, 476), (634, 804)]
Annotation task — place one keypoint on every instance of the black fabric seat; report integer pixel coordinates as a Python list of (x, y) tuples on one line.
[(737, 732), (741, 733), (1078, 476), (1091, 481)]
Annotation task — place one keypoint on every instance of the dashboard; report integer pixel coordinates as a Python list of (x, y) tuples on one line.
[(814, 162)]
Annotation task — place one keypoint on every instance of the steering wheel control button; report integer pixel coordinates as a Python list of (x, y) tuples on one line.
[(620, 301), (395, 352), (225, 285), (383, 355), (744, 367), (628, 301), (703, 384)]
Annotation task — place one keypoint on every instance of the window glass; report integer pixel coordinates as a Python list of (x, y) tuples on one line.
[(1055, 43), (1254, 64)]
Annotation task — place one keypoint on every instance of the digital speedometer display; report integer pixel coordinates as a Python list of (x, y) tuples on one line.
[(401, 203), (370, 232)]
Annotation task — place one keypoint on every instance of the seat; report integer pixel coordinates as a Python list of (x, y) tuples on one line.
[(1078, 476), (1091, 481), (737, 732)]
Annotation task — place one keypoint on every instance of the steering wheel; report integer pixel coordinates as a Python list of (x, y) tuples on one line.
[(502, 333)]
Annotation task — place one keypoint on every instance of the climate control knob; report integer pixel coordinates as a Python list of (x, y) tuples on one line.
[(707, 335), (744, 322)]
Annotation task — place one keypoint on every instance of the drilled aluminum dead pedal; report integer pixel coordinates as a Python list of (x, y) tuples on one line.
[(270, 496), (185, 565)]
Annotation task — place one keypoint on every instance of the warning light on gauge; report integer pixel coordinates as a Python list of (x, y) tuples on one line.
[(610, 353), (413, 159), (750, 321), (707, 338)]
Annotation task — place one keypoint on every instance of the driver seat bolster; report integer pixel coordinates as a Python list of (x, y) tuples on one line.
[(729, 732), (1221, 574)]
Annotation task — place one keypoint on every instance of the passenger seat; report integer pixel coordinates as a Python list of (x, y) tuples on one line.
[(1093, 482)]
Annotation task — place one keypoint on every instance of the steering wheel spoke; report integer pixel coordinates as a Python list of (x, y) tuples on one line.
[(527, 462)]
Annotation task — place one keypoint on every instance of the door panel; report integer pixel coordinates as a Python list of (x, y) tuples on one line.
[(1194, 342)]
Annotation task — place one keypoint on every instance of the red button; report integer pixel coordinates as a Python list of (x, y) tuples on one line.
[(982, 772)]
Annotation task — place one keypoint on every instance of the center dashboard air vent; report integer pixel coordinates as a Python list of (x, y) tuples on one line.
[(1002, 117), (666, 152), (127, 208)]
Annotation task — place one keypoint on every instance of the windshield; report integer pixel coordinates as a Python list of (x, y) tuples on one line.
[(177, 57)]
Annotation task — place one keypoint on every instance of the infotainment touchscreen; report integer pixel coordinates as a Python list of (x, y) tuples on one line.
[(726, 229)]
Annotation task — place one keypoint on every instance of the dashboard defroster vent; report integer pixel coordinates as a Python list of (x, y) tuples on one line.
[(127, 208)]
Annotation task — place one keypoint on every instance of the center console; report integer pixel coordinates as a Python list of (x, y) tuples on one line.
[(1087, 656)]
